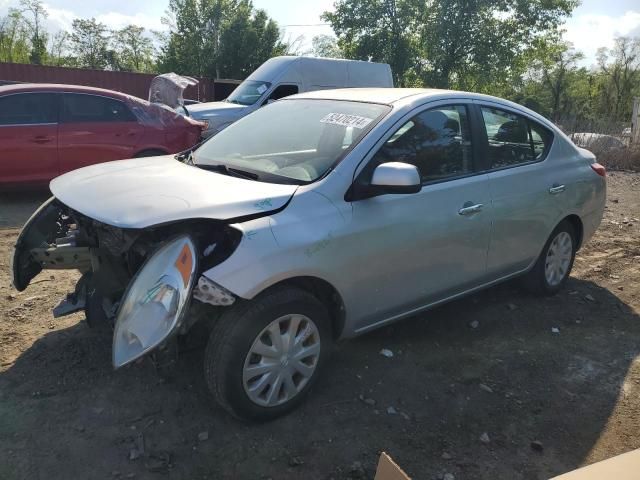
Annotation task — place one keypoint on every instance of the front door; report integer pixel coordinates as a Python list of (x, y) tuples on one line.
[(417, 249), (95, 129), (28, 138)]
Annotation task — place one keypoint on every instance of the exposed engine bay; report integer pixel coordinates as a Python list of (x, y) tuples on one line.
[(114, 289)]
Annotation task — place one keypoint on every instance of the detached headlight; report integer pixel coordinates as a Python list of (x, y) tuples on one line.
[(155, 301)]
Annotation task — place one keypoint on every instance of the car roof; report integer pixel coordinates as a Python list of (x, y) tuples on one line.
[(373, 95), (412, 96), (59, 87)]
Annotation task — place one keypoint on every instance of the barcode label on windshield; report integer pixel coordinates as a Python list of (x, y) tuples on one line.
[(345, 120)]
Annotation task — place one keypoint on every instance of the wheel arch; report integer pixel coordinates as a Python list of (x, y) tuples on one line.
[(576, 222), (323, 291)]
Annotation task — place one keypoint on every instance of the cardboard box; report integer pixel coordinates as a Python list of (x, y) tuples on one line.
[(622, 467)]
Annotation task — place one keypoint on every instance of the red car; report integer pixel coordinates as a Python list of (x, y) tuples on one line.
[(47, 130)]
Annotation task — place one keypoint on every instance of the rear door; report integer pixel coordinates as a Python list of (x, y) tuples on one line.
[(95, 129), (524, 196), (28, 137)]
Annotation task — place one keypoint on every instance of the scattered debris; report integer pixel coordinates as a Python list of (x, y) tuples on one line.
[(537, 446), (357, 471), (486, 388), (446, 456), (405, 416), (589, 297), (474, 324), (392, 411), (512, 306), (484, 438), (555, 330), (448, 476), (138, 449), (158, 462), (134, 454), (295, 462), (203, 436), (369, 401), (385, 352)]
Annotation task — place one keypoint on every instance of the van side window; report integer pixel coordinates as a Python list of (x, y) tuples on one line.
[(513, 139), (282, 91), (437, 141)]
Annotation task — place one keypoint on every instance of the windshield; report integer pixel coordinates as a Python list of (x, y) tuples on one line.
[(290, 141), (248, 92)]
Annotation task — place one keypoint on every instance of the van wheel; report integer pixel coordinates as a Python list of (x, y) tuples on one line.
[(553, 267), (264, 355)]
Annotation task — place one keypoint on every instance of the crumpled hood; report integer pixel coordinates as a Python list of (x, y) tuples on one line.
[(202, 111), (149, 191), (218, 115)]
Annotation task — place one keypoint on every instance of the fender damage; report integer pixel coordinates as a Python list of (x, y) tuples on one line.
[(112, 259)]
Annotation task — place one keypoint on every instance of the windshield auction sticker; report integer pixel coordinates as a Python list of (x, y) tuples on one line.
[(345, 120)]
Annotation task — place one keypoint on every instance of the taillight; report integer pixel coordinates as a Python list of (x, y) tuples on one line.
[(599, 169)]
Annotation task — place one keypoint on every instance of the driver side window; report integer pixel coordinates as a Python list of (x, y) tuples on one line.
[(437, 141), (282, 91)]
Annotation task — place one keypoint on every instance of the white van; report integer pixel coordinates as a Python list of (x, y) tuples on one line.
[(280, 77)]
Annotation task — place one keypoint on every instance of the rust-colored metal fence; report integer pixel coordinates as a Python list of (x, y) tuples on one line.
[(136, 84)]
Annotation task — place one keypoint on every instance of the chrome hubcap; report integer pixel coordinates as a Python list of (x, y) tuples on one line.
[(558, 259), (281, 360)]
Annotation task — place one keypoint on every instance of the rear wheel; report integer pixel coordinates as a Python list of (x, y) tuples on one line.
[(553, 267), (264, 355)]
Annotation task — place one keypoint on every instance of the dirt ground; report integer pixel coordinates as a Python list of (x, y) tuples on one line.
[(490, 363)]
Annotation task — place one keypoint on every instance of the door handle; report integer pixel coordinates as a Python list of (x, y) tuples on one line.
[(471, 209), (556, 189), (42, 139)]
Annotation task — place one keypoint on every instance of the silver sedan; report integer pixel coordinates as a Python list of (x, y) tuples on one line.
[(319, 217)]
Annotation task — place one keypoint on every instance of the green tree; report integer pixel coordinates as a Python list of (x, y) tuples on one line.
[(14, 37), (468, 44), (247, 39), (59, 49), (621, 68), (134, 49), (221, 38), (325, 46), (378, 30), (557, 69), (90, 44), (38, 14)]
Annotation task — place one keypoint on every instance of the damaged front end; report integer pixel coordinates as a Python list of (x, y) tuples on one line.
[(138, 281)]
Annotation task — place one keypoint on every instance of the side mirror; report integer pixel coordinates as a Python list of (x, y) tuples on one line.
[(389, 178)]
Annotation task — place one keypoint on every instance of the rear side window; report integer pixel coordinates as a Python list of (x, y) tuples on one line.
[(28, 109), (92, 108), (514, 139), (437, 141)]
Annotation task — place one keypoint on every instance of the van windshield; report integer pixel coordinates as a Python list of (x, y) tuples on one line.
[(248, 92), (290, 141)]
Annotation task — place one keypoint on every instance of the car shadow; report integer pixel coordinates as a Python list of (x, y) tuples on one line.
[(519, 368), (18, 206)]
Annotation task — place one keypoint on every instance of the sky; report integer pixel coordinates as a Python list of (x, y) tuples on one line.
[(593, 24)]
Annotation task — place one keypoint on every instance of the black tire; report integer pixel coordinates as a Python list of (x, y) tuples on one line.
[(150, 153), (535, 281), (233, 335)]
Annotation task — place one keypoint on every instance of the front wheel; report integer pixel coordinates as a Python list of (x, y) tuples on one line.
[(553, 267), (264, 355)]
